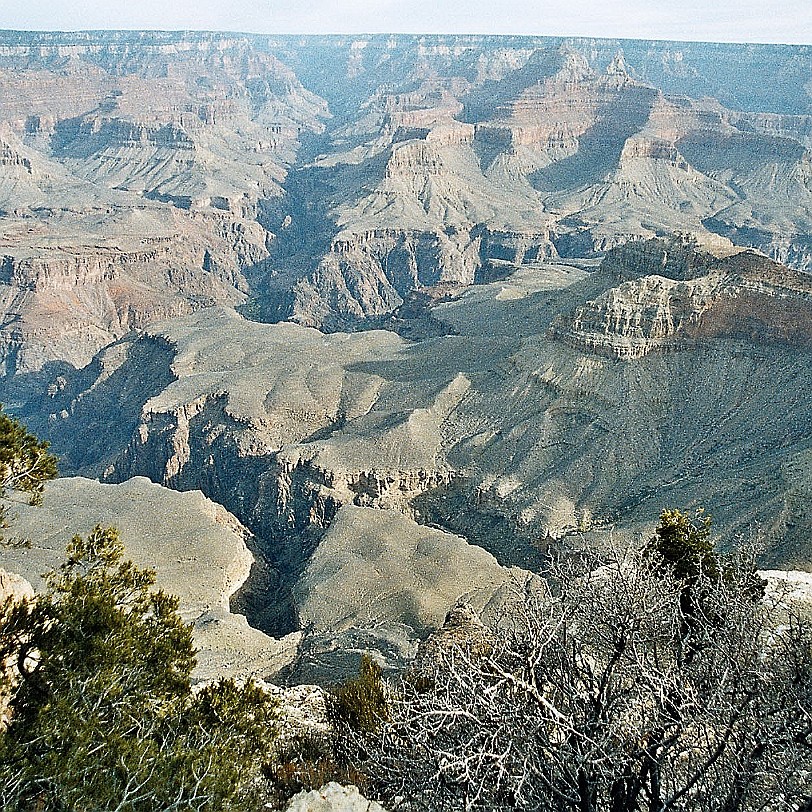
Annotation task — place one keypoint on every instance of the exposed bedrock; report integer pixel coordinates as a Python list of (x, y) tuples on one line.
[(272, 420), (288, 496), (562, 157), (493, 200), (377, 565), (678, 257), (370, 274), (67, 301), (514, 439), (131, 176), (328, 179), (787, 247), (692, 296), (273, 469)]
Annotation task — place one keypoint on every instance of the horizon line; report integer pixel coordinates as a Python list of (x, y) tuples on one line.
[(372, 34)]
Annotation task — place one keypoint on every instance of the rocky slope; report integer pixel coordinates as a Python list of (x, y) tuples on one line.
[(537, 429), (738, 296), (196, 547), (379, 581), (131, 174), (482, 152), (325, 179)]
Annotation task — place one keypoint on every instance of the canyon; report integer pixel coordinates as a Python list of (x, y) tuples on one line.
[(412, 313)]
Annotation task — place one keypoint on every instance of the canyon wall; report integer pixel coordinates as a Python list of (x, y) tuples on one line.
[(325, 179), (516, 294), (562, 406)]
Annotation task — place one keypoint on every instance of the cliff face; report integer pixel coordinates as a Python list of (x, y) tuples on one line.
[(370, 274), (65, 302), (278, 421), (130, 180), (562, 146), (287, 431), (743, 296), (328, 178)]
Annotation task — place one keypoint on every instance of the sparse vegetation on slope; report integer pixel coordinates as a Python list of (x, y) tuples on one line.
[(101, 714), (25, 464), (607, 690)]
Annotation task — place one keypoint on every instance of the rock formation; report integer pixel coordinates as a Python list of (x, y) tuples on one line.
[(326, 178), (355, 288), (377, 566), (527, 434), (14, 586), (740, 296), (131, 174), (379, 580), (554, 148), (333, 797)]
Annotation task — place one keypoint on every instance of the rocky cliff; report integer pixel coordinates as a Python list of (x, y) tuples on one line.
[(518, 429), (695, 298), (190, 222), (327, 178), (560, 146), (131, 174)]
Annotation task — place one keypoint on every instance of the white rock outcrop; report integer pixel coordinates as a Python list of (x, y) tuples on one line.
[(333, 797)]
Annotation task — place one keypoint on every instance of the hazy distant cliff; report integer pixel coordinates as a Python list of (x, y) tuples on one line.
[(325, 178)]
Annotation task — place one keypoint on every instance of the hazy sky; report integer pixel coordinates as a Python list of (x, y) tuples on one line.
[(788, 21)]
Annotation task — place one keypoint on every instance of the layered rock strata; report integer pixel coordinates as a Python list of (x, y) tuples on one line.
[(557, 150), (131, 175), (695, 298), (468, 186), (328, 178), (514, 439)]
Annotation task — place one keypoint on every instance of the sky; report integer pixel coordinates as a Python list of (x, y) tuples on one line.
[(787, 21)]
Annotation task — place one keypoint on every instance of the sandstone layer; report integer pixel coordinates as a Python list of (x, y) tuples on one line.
[(742, 295), (437, 172)]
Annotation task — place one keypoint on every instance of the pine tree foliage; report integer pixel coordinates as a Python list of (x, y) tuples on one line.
[(26, 464), (684, 545), (360, 702), (101, 712)]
